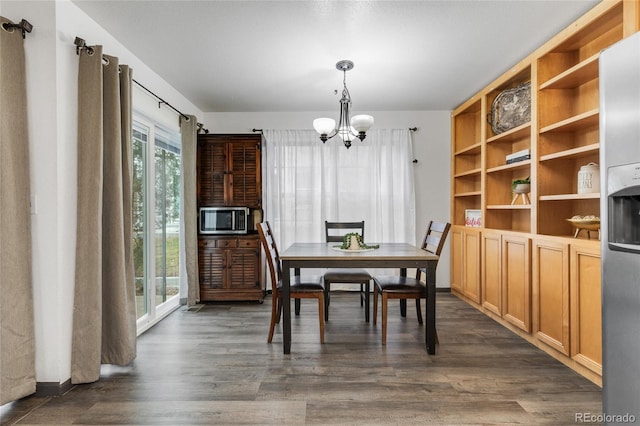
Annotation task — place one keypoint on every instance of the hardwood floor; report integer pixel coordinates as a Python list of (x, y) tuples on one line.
[(211, 365)]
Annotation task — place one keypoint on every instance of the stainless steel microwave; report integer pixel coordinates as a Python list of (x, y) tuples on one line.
[(223, 220)]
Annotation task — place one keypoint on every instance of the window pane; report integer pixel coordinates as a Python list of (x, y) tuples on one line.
[(140, 250), (167, 229)]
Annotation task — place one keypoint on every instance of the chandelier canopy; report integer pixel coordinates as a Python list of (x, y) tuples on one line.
[(348, 128)]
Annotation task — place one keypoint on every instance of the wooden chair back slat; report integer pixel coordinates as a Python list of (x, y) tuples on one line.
[(335, 231), (435, 237)]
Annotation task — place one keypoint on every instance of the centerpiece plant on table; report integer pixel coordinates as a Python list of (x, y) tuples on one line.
[(348, 242)]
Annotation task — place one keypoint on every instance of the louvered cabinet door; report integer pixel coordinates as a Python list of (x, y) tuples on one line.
[(212, 267), (244, 266), (212, 173), (244, 171)]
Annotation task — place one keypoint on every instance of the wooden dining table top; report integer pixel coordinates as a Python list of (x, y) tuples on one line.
[(327, 251)]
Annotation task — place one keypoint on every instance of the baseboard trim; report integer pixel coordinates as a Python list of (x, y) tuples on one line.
[(44, 389)]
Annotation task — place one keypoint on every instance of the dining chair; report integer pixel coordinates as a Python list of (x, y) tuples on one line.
[(300, 288), (334, 233), (403, 288)]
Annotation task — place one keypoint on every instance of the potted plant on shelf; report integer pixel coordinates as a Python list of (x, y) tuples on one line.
[(521, 187)]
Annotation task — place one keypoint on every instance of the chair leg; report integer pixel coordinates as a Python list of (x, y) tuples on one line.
[(361, 301), (297, 304), (367, 289), (279, 310), (384, 318), (321, 303), (375, 304), (274, 315), (403, 307), (419, 311)]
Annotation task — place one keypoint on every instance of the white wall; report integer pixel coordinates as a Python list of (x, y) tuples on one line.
[(52, 64), (431, 147)]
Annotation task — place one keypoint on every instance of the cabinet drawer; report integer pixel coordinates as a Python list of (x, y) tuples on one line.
[(249, 243), (227, 243), (206, 242)]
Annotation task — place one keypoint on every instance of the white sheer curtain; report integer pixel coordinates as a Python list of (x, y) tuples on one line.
[(308, 182)]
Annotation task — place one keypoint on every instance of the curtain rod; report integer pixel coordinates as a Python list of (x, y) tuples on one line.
[(24, 26), (162, 101), (81, 44)]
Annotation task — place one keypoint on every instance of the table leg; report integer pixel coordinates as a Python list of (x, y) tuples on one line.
[(430, 326), (286, 307)]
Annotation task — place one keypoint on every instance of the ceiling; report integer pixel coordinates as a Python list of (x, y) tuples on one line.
[(259, 56)]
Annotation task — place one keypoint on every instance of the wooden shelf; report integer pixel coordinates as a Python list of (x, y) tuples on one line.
[(509, 207), (575, 76), (510, 167), (577, 122), (572, 153), (468, 194), (470, 150), (516, 133), (565, 197), (468, 173)]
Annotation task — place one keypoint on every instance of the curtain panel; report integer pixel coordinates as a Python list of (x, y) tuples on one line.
[(308, 182), (189, 209), (104, 317), (17, 335)]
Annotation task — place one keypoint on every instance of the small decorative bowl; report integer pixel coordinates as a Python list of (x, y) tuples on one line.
[(586, 225)]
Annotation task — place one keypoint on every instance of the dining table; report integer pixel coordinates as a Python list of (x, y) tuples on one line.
[(301, 255)]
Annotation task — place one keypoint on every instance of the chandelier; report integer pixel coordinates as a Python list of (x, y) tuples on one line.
[(348, 128)]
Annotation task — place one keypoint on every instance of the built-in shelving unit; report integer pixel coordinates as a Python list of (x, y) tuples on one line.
[(467, 160), (525, 237)]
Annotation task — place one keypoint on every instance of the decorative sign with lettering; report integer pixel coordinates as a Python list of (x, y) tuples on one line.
[(473, 218)]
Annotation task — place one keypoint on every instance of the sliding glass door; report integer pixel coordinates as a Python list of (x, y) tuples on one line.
[(156, 217)]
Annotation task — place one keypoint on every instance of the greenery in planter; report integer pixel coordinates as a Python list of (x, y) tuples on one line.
[(346, 242), (517, 182)]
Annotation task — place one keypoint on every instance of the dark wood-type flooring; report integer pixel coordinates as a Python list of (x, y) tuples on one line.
[(211, 365)]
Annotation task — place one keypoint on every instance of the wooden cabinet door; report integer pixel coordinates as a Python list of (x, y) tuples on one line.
[(516, 281), (212, 266), (244, 269), (212, 173), (551, 293), (471, 273), (244, 174), (586, 306), (229, 171), (465, 262), (492, 272), (457, 258)]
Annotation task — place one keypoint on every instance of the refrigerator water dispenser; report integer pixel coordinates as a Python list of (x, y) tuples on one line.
[(623, 189)]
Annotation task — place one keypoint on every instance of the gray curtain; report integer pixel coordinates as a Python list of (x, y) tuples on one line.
[(189, 132), (104, 316), (17, 336)]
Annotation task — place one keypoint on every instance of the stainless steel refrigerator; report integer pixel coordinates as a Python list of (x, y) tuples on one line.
[(620, 233)]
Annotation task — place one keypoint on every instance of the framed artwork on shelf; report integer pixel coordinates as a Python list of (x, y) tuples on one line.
[(473, 218)]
